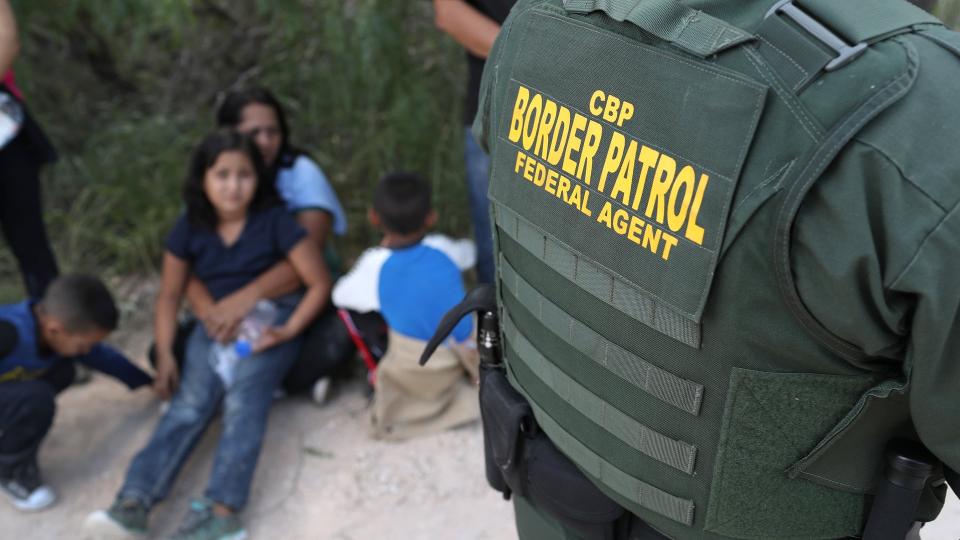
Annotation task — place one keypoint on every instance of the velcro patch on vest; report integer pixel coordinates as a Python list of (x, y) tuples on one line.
[(630, 157)]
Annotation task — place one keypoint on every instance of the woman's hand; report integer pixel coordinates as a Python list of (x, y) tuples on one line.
[(274, 335), (223, 318), (167, 379)]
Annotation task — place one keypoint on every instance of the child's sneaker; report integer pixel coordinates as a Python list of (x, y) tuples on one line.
[(321, 390), (24, 487), (126, 519), (202, 524)]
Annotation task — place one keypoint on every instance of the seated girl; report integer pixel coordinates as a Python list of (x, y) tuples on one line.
[(232, 232), (311, 199)]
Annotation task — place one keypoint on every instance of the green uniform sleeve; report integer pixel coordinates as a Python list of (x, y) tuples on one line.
[(933, 348), (877, 260), (858, 229)]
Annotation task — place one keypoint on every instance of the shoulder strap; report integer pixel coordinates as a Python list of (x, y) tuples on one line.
[(803, 38), (688, 29), (867, 21), (845, 27), (815, 161)]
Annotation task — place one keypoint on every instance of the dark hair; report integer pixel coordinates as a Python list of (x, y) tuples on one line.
[(230, 114), (402, 200), (200, 212), (81, 302)]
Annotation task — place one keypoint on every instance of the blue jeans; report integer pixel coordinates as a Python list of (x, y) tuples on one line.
[(478, 182), (246, 406)]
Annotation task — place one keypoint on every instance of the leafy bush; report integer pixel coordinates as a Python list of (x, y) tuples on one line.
[(125, 89)]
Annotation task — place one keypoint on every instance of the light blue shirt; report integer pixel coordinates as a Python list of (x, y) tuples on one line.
[(303, 186)]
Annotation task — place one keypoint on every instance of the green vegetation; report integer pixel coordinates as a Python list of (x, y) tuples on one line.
[(949, 12), (125, 89)]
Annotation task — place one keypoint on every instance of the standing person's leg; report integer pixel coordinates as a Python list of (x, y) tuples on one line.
[(21, 217), (478, 181), (27, 409), (154, 469)]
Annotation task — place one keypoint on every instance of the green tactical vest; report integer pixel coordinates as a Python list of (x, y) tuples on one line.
[(647, 163)]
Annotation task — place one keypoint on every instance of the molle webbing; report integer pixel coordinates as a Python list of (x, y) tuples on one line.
[(676, 454), (659, 383), (607, 287), (636, 492)]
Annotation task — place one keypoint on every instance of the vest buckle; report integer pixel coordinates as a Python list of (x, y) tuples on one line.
[(845, 52)]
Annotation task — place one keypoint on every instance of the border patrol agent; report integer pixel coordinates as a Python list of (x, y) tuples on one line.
[(728, 240)]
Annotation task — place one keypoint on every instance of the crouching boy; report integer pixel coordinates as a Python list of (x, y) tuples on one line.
[(38, 343), (413, 279)]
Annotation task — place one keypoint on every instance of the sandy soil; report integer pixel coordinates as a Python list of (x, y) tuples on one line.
[(320, 475)]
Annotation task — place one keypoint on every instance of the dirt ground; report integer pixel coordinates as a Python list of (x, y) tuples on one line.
[(320, 475)]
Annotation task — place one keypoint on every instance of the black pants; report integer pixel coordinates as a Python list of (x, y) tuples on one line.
[(326, 347), (26, 414), (21, 217)]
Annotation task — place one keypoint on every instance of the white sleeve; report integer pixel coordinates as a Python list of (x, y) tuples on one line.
[(359, 289), (462, 252)]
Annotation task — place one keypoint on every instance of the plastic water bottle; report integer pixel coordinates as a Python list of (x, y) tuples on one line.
[(224, 357), (11, 118)]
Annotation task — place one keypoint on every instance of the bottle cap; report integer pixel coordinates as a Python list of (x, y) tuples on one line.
[(243, 348)]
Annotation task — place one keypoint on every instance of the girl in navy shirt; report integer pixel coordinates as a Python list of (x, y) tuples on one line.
[(310, 198), (232, 232)]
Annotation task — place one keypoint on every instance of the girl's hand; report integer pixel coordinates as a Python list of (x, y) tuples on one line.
[(217, 327), (274, 335), (167, 379), (223, 318)]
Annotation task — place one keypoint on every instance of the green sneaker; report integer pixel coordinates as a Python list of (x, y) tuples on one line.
[(126, 519), (201, 523)]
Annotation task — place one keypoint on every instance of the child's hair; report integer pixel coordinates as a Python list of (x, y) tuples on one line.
[(81, 302), (199, 210), (402, 200), (231, 112)]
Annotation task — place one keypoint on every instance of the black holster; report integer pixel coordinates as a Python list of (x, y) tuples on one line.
[(518, 457), (521, 459)]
